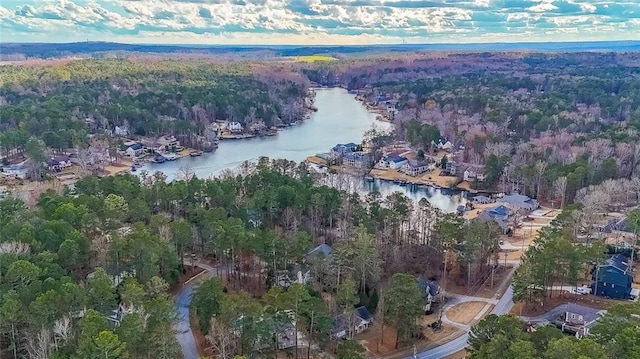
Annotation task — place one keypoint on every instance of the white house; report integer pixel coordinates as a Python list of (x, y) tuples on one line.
[(392, 162), (235, 127), (416, 168)]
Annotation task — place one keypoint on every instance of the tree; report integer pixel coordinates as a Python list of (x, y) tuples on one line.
[(350, 349), (508, 326), (221, 339), (347, 294), (105, 345), (206, 301), (35, 152), (568, 347), (101, 294), (403, 302)]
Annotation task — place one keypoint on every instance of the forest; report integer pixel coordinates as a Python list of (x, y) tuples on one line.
[(62, 103), (61, 258)]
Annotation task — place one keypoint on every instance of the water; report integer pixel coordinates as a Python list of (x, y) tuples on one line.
[(339, 119)]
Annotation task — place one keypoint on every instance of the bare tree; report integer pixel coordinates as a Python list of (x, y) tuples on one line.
[(560, 189), (221, 339), (39, 345), (186, 173)]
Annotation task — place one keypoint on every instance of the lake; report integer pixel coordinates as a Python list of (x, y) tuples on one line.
[(340, 119)]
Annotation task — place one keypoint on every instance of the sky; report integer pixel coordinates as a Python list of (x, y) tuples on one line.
[(317, 22)]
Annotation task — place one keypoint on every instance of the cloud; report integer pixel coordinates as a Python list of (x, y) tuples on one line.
[(317, 21)]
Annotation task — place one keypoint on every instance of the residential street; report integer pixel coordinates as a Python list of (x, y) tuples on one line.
[(503, 306), (184, 334)]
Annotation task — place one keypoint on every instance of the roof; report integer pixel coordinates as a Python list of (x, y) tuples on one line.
[(396, 159), (415, 163), (363, 313), (424, 284), (589, 315), (323, 248), (341, 322), (519, 200), (619, 262), (481, 198), (498, 211), (136, 146)]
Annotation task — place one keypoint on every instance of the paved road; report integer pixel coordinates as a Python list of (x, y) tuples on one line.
[(503, 306), (184, 334), (183, 326)]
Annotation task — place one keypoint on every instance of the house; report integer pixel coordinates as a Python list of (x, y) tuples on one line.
[(168, 143), (520, 201), (58, 163), (416, 168), (481, 200), (500, 214), (452, 168), (120, 131), (392, 162), (280, 329), (357, 159), (340, 149), (318, 261), (577, 319), (613, 279), (348, 324), (134, 150), (235, 127), (430, 291), (443, 144)]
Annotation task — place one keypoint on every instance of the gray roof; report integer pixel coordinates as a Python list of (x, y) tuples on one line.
[(520, 200)]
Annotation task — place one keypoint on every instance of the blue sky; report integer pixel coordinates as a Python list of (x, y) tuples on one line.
[(322, 22)]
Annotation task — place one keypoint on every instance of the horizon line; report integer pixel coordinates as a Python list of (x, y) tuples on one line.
[(318, 45)]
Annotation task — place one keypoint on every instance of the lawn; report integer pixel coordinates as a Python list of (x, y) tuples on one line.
[(314, 58)]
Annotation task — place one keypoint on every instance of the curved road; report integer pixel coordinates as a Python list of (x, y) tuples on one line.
[(502, 307), (184, 334)]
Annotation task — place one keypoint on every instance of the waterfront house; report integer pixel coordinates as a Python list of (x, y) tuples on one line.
[(430, 291), (235, 127), (168, 143), (416, 168), (348, 324), (357, 159), (613, 279), (134, 150), (451, 168), (340, 149), (520, 201), (392, 162), (481, 200)]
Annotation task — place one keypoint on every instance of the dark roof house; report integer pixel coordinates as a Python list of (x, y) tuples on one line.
[(614, 278), (350, 323)]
